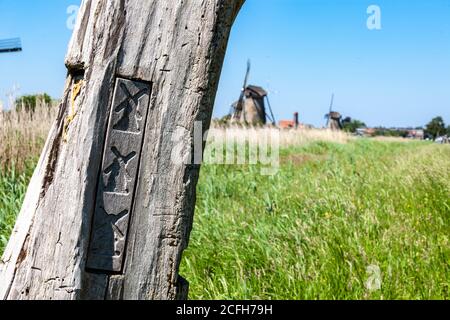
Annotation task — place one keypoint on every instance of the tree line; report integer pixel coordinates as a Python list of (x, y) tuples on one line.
[(434, 129), (29, 103)]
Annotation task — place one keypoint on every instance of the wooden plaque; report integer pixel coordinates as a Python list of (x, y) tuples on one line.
[(118, 175)]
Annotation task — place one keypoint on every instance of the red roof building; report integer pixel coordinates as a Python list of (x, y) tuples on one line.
[(287, 124)]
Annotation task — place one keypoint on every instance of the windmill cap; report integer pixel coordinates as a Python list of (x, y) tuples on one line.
[(255, 91), (335, 115)]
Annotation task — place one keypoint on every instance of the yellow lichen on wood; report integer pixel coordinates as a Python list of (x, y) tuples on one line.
[(76, 90)]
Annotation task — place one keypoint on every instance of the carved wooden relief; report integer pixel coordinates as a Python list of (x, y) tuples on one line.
[(118, 175)]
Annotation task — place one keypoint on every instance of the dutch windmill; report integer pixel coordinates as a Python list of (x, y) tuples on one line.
[(333, 118), (251, 106)]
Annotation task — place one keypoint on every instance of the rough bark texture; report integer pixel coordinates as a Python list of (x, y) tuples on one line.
[(177, 48)]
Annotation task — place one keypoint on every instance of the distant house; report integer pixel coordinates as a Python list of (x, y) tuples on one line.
[(370, 131), (416, 134), (286, 124), (365, 132), (290, 124)]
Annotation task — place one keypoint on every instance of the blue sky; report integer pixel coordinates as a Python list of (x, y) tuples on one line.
[(301, 52)]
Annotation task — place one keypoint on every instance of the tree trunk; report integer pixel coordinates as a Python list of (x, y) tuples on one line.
[(108, 211)]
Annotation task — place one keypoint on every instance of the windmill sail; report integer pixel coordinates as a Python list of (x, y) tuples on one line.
[(10, 45), (328, 116), (239, 106)]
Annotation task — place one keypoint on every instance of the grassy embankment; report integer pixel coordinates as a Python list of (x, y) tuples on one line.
[(334, 220), (334, 215)]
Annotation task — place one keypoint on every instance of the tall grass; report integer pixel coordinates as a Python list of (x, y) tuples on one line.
[(13, 184), (336, 219), (23, 134), (341, 216), (287, 137)]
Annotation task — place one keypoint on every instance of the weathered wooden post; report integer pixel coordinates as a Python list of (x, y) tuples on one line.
[(108, 213)]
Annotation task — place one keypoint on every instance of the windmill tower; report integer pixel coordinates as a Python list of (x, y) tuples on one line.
[(251, 106), (334, 119), (238, 111)]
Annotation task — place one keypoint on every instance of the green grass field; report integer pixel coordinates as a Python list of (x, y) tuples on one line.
[(337, 221), (13, 185)]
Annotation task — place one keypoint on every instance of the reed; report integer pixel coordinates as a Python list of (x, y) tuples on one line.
[(23, 134)]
